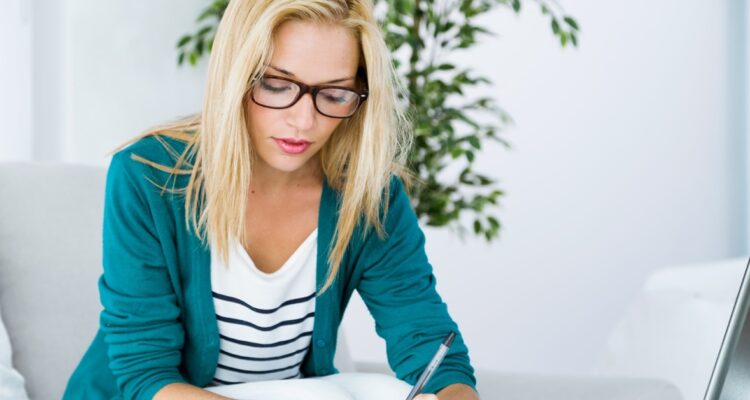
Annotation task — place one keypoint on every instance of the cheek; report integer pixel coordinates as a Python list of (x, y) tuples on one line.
[(261, 124), (329, 126), (257, 118)]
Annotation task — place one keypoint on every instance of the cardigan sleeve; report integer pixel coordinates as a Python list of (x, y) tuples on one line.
[(398, 287), (140, 317)]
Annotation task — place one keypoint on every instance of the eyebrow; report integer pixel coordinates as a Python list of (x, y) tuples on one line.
[(283, 71)]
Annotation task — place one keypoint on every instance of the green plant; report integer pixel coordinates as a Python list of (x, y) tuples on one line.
[(444, 134)]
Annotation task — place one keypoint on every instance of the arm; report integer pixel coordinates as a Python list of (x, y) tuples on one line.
[(182, 391), (398, 288), (458, 391), (140, 320)]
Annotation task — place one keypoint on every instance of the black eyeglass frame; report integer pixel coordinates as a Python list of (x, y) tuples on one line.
[(313, 90)]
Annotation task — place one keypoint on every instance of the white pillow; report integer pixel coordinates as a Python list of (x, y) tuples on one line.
[(11, 382)]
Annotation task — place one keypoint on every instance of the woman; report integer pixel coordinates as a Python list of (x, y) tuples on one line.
[(286, 195)]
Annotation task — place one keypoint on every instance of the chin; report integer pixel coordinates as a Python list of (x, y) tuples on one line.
[(287, 167), (286, 164)]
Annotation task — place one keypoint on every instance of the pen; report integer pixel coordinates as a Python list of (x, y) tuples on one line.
[(432, 366)]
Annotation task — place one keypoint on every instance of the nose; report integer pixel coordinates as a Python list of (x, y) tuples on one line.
[(302, 114)]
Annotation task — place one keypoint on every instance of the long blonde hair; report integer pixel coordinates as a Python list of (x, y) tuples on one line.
[(358, 159)]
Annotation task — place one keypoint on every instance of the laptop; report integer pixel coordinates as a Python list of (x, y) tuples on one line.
[(730, 379)]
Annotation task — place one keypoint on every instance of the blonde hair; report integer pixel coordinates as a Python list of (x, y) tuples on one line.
[(358, 159)]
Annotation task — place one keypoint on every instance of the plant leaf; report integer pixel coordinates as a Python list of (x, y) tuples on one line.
[(570, 21), (184, 40)]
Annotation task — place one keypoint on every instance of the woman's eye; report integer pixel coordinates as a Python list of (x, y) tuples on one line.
[(330, 96), (334, 99), (274, 88)]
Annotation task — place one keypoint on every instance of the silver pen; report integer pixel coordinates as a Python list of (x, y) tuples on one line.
[(432, 366)]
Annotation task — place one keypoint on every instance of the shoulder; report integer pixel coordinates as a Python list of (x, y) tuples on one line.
[(149, 158), (157, 149), (394, 191), (141, 172), (396, 197), (397, 213)]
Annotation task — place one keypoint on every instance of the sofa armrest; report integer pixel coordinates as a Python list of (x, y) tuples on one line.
[(518, 386), (673, 328), (375, 367)]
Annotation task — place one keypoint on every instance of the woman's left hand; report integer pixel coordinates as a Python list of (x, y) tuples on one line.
[(456, 391)]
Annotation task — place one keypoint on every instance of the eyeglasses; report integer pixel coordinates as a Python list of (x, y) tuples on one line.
[(332, 101)]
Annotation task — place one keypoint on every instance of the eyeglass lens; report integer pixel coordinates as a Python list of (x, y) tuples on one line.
[(279, 93)]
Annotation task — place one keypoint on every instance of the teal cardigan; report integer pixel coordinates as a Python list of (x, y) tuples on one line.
[(158, 324)]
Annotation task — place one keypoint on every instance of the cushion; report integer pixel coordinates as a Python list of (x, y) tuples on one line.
[(522, 386)]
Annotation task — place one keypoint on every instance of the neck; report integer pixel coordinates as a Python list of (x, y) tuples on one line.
[(268, 180)]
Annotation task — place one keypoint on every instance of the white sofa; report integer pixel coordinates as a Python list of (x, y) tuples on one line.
[(50, 260), (673, 329)]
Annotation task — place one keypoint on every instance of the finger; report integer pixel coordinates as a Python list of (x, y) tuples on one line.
[(426, 397)]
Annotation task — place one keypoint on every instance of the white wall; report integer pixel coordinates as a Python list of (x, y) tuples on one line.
[(50, 78), (113, 66), (15, 81), (624, 161), (625, 156)]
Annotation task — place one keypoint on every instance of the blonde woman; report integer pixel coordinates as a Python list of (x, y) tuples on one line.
[(234, 239)]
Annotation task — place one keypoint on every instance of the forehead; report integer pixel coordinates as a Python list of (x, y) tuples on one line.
[(315, 52)]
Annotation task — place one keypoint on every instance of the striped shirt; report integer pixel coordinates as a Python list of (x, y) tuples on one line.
[(265, 320)]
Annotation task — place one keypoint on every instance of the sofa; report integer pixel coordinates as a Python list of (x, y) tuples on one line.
[(50, 260)]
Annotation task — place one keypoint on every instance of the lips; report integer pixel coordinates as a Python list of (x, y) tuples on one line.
[(294, 141), (292, 146)]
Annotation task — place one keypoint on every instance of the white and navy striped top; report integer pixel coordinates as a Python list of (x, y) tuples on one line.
[(265, 320)]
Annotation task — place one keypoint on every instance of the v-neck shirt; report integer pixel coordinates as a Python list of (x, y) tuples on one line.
[(265, 320)]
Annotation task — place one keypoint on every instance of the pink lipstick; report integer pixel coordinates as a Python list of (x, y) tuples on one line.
[(292, 146)]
